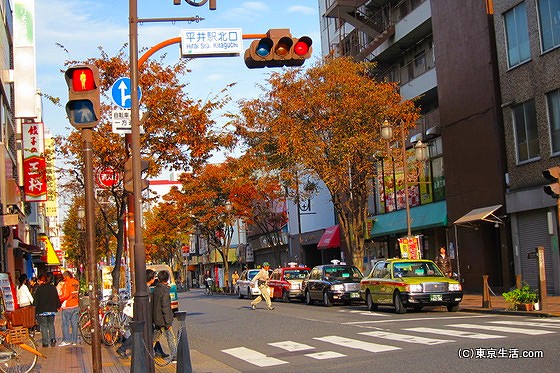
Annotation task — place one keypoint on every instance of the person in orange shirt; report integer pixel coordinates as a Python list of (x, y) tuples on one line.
[(70, 309)]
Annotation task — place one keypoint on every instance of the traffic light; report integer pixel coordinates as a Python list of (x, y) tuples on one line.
[(128, 176), (552, 175), (278, 49), (83, 107)]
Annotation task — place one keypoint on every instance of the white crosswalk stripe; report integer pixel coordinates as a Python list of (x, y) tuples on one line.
[(406, 338), (413, 335), (454, 333), (526, 323), (254, 357), (503, 329), (356, 344), (292, 346), (325, 355)]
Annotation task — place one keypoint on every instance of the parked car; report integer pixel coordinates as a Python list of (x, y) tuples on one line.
[(285, 282), (243, 287), (331, 283), (409, 283)]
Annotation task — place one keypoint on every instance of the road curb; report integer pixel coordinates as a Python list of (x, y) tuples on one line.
[(501, 311)]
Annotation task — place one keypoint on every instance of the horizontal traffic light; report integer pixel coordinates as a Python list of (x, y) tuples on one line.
[(83, 107), (278, 49), (552, 175)]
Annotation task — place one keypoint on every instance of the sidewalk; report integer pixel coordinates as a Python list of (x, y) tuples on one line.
[(473, 303), (77, 359)]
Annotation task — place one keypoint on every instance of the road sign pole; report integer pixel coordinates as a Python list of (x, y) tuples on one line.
[(141, 296)]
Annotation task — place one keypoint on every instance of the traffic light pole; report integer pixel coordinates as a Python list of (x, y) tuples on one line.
[(87, 138)]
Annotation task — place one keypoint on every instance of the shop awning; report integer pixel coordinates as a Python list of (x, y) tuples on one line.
[(483, 213), (31, 249), (422, 217), (330, 239)]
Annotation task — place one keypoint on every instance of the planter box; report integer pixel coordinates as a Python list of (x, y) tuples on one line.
[(525, 307)]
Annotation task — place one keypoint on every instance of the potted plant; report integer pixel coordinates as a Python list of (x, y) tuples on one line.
[(521, 299)]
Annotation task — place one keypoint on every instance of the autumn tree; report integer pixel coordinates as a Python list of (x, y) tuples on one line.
[(179, 133), (325, 121)]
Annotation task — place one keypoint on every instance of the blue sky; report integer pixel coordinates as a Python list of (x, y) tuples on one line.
[(81, 26)]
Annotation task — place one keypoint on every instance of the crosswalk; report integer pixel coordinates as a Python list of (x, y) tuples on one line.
[(378, 341)]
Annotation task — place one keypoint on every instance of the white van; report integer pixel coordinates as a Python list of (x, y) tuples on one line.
[(172, 285)]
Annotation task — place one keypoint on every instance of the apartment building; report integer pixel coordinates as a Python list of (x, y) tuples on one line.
[(528, 56), (442, 53)]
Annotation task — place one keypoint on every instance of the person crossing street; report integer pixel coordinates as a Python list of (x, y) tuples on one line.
[(261, 280)]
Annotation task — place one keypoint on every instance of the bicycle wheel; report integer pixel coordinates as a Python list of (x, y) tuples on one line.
[(110, 328), (84, 325), (22, 360)]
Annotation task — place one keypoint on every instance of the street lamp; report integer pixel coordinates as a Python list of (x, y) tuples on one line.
[(420, 153)]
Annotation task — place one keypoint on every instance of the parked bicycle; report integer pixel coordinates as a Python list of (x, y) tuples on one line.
[(114, 324), (18, 351)]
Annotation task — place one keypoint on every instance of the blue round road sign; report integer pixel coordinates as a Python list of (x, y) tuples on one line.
[(120, 93)]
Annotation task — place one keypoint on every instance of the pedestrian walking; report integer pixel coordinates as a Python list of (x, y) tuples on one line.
[(162, 314), (444, 263), (70, 309), (46, 304), (24, 296), (261, 280)]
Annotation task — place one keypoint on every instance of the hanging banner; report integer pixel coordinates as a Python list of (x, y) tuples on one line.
[(410, 247), (34, 165)]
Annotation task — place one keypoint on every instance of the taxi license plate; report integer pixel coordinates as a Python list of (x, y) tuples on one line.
[(354, 295), (435, 298)]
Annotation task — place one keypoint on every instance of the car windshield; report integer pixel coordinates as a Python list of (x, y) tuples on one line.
[(295, 274), (252, 274), (342, 273), (416, 269)]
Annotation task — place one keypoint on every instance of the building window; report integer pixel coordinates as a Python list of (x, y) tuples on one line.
[(549, 17), (517, 35), (525, 124), (553, 101)]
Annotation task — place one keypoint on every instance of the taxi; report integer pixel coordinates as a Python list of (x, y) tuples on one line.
[(409, 283), (285, 282)]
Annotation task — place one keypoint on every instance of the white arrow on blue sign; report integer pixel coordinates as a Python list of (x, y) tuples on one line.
[(120, 93)]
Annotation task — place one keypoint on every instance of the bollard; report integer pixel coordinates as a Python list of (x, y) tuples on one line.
[(183, 352), (486, 301), (139, 363)]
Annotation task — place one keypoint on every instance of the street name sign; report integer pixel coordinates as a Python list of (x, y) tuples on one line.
[(120, 93), (211, 42)]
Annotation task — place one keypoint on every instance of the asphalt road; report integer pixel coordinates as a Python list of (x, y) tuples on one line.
[(296, 337)]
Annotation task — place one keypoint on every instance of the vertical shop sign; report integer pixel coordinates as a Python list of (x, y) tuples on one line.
[(34, 165)]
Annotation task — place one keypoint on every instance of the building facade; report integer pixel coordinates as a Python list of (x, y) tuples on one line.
[(449, 69), (528, 41)]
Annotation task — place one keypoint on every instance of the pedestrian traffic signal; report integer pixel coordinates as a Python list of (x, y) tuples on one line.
[(83, 108), (278, 49), (552, 175)]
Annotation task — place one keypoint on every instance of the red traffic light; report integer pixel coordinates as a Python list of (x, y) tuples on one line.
[(83, 79), (303, 46)]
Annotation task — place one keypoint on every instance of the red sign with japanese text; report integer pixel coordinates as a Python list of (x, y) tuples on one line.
[(107, 177), (34, 164)]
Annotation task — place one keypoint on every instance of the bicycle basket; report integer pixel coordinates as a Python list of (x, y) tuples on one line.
[(17, 334)]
